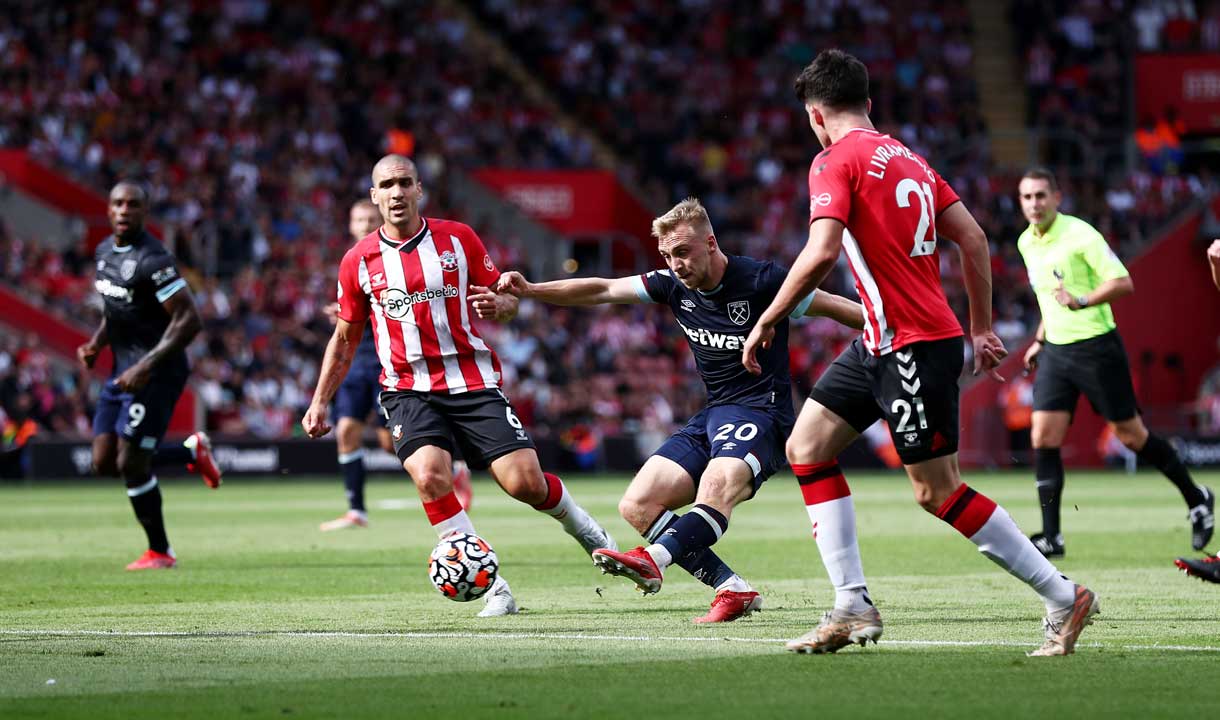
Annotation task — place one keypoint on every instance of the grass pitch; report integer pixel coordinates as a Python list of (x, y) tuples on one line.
[(267, 617)]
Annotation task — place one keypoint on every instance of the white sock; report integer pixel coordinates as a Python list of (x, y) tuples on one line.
[(735, 584), (990, 527), (659, 555), (1003, 542), (832, 513)]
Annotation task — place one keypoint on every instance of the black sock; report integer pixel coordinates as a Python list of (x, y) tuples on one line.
[(145, 497), (695, 531), (1163, 457), (352, 465), (1048, 470), (174, 455), (704, 565)]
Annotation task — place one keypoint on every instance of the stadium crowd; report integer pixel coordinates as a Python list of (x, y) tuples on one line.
[(254, 123)]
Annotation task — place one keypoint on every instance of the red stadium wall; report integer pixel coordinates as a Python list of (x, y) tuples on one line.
[(59, 192), (577, 203), (1174, 314)]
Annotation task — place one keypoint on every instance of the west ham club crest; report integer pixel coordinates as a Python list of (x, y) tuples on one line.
[(739, 312)]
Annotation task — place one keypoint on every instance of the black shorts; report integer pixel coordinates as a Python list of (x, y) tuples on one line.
[(141, 417), (914, 389), (1096, 367), (481, 424)]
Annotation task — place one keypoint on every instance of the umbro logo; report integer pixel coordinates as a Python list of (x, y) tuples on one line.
[(728, 446), (377, 279), (687, 305)]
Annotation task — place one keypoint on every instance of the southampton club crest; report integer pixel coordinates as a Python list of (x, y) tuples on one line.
[(449, 261), (739, 312)]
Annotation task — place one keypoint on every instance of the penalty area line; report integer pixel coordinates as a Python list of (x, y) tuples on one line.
[(492, 635)]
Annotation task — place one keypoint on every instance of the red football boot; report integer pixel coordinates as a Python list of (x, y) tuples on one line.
[(201, 446), (153, 560), (636, 565), (728, 605)]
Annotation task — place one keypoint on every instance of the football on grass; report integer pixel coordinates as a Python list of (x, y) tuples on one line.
[(463, 567)]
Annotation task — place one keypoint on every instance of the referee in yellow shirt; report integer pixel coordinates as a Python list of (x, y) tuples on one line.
[(1075, 275)]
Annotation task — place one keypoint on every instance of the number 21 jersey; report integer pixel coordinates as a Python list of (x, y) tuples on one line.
[(888, 198)]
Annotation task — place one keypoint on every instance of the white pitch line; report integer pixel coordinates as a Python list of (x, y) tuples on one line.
[(551, 636)]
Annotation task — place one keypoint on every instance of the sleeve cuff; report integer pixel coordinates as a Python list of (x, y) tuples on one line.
[(802, 306), (168, 291), (637, 283)]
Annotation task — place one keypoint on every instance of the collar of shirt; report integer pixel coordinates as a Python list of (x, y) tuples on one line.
[(410, 243), (1051, 233)]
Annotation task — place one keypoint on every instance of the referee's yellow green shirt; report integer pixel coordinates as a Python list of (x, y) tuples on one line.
[(1073, 251)]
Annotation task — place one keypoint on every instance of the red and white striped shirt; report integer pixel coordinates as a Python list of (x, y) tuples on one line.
[(889, 198), (414, 293)]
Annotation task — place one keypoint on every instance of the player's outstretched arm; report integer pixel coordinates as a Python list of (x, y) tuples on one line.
[(87, 353), (810, 269), (837, 308), (184, 325), (958, 225), (335, 363), (573, 291), (1213, 258)]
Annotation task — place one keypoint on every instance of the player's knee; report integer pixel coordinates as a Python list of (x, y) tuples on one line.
[(1132, 438), (719, 488), (105, 467), (431, 482), (804, 452), (132, 465), (1045, 438), (525, 485), (637, 512)]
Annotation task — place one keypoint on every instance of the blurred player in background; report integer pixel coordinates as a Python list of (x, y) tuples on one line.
[(413, 279), (358, 398), (149, 318), (1208, 567), (873, 198), (727, 450), (1075, 276)]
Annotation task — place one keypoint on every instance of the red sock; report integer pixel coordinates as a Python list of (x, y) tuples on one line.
[(447, 516), (554, 492), (966, 510)]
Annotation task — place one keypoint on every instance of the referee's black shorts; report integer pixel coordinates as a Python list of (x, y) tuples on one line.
[(1096, 367)]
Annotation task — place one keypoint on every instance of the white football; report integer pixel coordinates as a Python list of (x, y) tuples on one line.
[(463, 567)]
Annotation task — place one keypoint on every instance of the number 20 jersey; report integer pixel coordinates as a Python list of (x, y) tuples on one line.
[(888, 198)]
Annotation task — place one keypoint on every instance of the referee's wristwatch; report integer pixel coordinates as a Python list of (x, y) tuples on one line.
[(1082, 301)]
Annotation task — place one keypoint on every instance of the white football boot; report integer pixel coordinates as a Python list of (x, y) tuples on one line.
[(499, 600), (593, 536)]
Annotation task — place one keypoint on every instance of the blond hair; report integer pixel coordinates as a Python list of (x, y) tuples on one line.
[(688, 212)]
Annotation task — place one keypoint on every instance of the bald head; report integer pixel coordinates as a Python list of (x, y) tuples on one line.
[(394, 164), (397, 193), (127, 208)]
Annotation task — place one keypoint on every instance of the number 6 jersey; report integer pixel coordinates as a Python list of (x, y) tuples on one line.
[(888, 198)]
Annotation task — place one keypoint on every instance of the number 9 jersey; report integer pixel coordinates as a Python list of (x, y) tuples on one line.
[(888, 198)]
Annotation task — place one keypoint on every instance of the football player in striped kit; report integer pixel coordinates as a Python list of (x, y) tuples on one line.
[(413, 279)]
